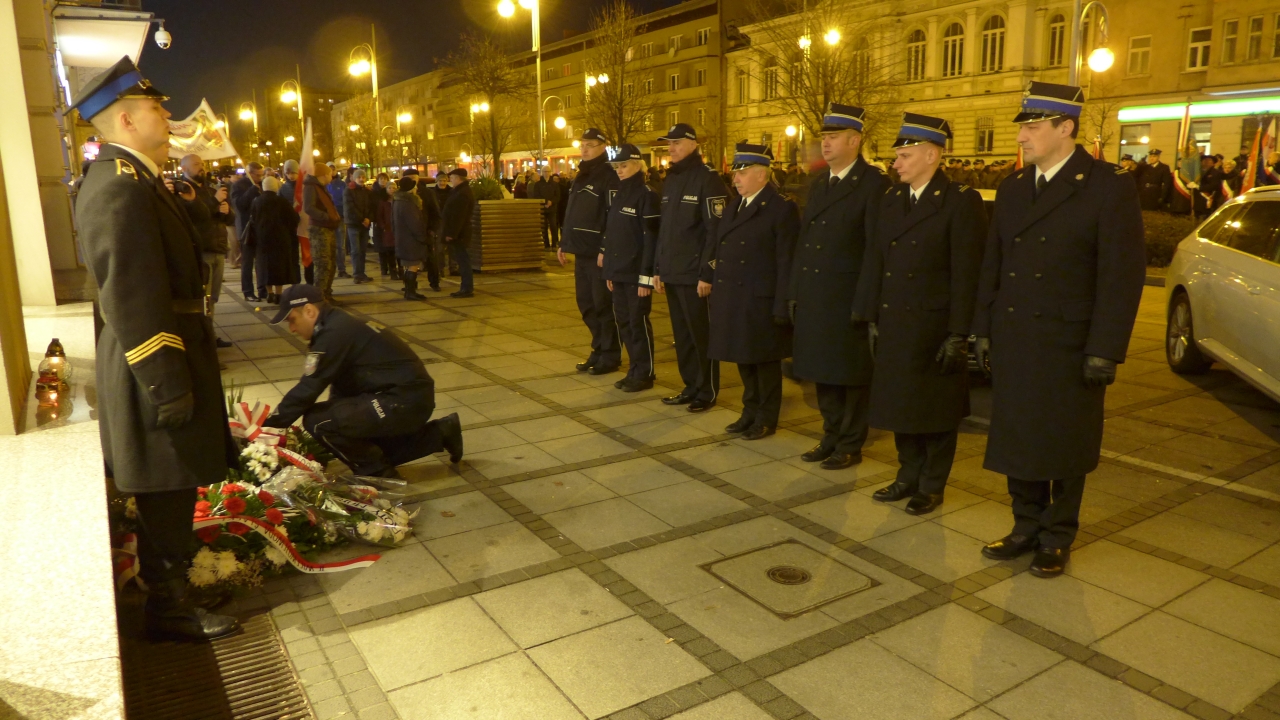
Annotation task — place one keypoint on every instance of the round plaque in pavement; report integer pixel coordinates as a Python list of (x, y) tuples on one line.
[(788, 575)]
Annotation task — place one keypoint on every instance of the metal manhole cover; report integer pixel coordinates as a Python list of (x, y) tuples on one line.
[(788, 575)]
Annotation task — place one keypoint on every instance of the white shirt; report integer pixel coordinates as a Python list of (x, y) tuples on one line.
[(146, 161), (749, 198), (1053, 170), (845, 171), (915, 194)]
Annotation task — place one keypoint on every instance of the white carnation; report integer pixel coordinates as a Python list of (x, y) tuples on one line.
[(201, 577), (205, 559), (276, 557), (227, 565), (372, 532)]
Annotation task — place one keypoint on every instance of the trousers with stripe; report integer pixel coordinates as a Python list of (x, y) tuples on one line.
[(691, 325), (631, 313)]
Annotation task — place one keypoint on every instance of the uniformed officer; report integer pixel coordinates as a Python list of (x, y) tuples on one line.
[(583, 225), (831, 349), (1061, 280), (162, 415), (917, 289), (1157, 183), (626, 262), (380, 394), (693, 199), (752, 271)]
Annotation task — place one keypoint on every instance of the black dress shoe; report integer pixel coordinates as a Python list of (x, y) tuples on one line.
[(755, 432), (740, 425), (697, 406), (678, 399), (1050, 562), (817, 453), (840, 461), (1010, 547), (587, 364), (461, 294), (923, 503), (252, 298), (618, 384), (451, 430), (636, 384), (603, 369), (893, 492), (225, 343)]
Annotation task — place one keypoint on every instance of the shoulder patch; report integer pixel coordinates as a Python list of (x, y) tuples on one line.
[(124, 168), (313, 362), (963, 188), (715, 206)]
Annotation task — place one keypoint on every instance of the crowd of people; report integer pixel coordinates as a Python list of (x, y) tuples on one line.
[(1210, 180)]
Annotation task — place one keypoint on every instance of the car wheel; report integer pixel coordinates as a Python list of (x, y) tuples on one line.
[(1180, 341)]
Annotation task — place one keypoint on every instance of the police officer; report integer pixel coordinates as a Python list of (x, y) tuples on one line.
[(626, 263), (752, 272), (583, 225), (1156, 184), (1061, 280), (693, 199), (380, 394), (917, 289), (830, 348), (162, 415)]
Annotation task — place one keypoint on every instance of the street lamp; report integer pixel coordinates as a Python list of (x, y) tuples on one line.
[(290, 95), (791, 131), (358, 65), (832, 37), (249, 111), (507, 9), (1101, 59)]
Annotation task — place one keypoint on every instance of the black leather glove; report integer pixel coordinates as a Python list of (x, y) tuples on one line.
[(953, 355), (175, 413), (781, 321), (791, 311), (1099, 372), (982, 353), (873, 334), (274, 421)]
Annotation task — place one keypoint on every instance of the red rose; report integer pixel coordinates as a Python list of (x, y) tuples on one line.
[(238, 528), (311, 457), (266, 498), (275, 516), (210, 533), (232, 488), (203, 507), (202, 492), (234, 505)]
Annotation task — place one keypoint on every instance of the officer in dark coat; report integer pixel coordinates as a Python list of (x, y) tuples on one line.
[(1061, 279), (917, 289), (455, 227), (752, 271), (588, 204), (626, 263), (162, 414), (381, 397), (1156, 184), (693, 200), (830, 348)]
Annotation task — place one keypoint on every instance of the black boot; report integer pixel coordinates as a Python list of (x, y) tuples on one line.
[(411, 286), (171, 615)]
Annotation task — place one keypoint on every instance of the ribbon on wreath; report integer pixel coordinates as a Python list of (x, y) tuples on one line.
[(246, 424), (281, 543), (126, 562)]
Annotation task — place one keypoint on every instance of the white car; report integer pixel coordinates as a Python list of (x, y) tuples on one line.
[(1224, 293)]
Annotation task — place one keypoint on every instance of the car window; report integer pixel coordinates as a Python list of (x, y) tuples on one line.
[(1213, 227), (1257, 228)]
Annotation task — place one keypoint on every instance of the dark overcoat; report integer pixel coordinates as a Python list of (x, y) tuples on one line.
[(631, 233), (752, 270), (407, 226), (1062, 276), (918, 285), (828, 347), (1155, 186), (144, 255), (275, 227), (455, 216)]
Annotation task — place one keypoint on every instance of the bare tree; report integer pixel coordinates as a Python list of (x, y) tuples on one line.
[(623, 106), (359, 144), (486, 73), (806, 54), (1101, 104)]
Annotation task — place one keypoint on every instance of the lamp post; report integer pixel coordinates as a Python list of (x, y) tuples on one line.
[(290, 95), (360, 66), (506, 8), (542, 122), (1100, 59), (404, 117), (249, 111), (476, 109)]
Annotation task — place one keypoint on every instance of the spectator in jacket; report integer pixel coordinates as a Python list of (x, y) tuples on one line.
[(521, 189), (210, 213), (384, 237), (410, 233), (242, 194), (337, 187), (324, 221), (357, 214), (287, 191), (455, 227), (430, 224), (562, 195), (549, 193), (275, 226)]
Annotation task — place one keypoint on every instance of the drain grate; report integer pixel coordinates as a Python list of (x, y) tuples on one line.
[(788, 575), (244, 677)]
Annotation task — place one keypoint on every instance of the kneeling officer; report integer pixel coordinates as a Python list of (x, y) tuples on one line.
[(380, 394)]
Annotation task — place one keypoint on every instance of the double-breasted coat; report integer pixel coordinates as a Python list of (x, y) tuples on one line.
[(918, 285), (752, 271), (828, 347), (156, 343), (1062, 276)]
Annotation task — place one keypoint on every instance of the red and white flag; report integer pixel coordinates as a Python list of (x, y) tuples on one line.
[(1183, 133), (306, 166)]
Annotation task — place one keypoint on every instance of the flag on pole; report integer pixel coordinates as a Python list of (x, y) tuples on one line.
[(1183, 133), (1097, 147), (1266, 145), (306, 166)]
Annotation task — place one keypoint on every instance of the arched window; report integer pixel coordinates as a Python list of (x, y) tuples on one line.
[(915, 55), (993, 44), (953, 50), (1057, 40)]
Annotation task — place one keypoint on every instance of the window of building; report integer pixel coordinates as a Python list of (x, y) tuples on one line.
[(985, 141), (704, 36), (700, 77), (702, 117), (568, 100), (953, 50), (673, 81), (993, 44), (1140, 55), (915, 55), (628, 89), (796, 78), (770, 82), (673, 43), (1198, 43), (648, 121), (1275, 40), (766, 139), (551, 73), (1230, 31), (744, 87), (648, 86), (566, 70), (1253, 50), (673, 117), (1057, 40), (646, 50), (631, 53)]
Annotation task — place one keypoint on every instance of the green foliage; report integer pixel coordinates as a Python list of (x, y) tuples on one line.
[(234, 395), (486, 188), (1163, 233)]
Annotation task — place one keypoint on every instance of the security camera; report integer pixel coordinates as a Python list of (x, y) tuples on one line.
[(163, 38)]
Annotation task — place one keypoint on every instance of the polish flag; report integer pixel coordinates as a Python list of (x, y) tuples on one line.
[(306, 166)]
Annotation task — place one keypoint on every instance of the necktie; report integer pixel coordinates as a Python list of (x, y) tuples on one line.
[(913, 199), (743, 205), (834, 180), (1041, 182)]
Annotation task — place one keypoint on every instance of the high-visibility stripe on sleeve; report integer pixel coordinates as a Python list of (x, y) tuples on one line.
[(150, 347)]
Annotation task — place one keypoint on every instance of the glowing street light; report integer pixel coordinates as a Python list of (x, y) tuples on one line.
[(791, 131), (1101, 60), (404, 118), (805, 42), (353, 128), (559, 122), (289, 139), (315, 153), (506, 8), (832, 37), (360, 67)]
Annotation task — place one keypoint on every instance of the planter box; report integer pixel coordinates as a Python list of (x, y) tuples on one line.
[(506, 235)]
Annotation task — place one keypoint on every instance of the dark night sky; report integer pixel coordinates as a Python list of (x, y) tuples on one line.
[(222, 49)]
